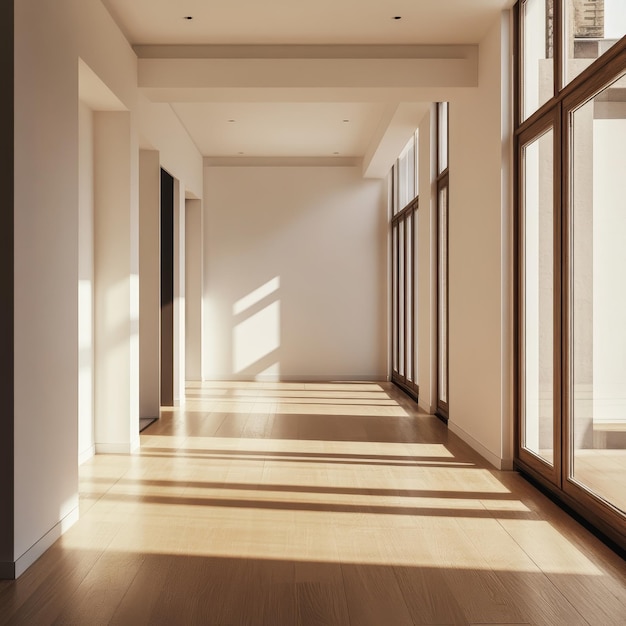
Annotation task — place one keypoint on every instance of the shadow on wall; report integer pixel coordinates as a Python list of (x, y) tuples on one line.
[(256, 333)]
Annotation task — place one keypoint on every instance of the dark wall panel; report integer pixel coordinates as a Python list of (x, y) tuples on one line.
[(7, 483), (167, 289)]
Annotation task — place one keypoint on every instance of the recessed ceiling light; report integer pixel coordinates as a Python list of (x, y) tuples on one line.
[(397, 17), (188, 17)]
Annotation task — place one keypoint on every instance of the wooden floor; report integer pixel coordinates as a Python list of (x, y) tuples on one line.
[(287, 504)]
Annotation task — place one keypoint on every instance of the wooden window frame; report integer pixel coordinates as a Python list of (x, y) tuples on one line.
[(403, 308), (602, 516), (408, 215)]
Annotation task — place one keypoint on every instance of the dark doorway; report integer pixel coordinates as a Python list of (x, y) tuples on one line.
[(167, 289)]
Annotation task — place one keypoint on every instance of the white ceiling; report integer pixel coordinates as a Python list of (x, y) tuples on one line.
[(290, 128), (302, 22), (280, 129)]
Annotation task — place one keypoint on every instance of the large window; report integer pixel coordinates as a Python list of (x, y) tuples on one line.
[(591, 28), (404, 272), (560, 39), (571, 224), (596, 328)]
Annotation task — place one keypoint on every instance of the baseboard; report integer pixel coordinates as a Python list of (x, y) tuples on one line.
[(118, 448), (35, 551), (425, 407), (305, 378), (494, 459), (85, 455)]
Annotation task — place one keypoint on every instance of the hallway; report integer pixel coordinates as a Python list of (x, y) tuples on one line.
[(312, 503)]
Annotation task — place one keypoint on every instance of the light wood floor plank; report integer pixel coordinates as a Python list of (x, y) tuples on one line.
[(313, 503)]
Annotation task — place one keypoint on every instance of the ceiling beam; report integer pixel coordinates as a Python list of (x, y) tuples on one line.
[(306, 73), (395, 129)]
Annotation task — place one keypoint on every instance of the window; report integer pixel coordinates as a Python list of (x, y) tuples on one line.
[(596, 310), (537, 221), (538, 54), (591, 28), (403, 267), (571, 226)]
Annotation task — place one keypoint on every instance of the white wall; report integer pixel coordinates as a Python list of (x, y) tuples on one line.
[(295, 273), (149, 283), (179, 293), (116, 256), (193, 289), (85, 286), (51, 37), (480, 280), (160, 129)]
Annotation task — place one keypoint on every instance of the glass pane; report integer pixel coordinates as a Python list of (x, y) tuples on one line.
[(401, 338), (416, 163), (406, 174), (395, 201), (409, 298), (591, 28), (394, 298), (415, 309), (598, 386), (442, 139), (537, 55), (443, 296), (538, 297)]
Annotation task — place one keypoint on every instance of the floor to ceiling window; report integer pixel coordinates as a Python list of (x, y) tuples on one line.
[(442, 259), (404, 203), (571, 224)]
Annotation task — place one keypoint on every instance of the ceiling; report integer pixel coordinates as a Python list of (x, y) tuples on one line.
[(286, 126)]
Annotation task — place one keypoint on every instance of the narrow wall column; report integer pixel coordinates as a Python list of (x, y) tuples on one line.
[(85, 284), (193, 290), (116, 284), (149, 283), (179, 292)]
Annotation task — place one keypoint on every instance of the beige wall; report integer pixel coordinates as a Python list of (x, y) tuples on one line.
[(50, 38), (179, 293), (313, 241), (116, 300), (86, 439), (480, 265), (193, 290), (149, 283)]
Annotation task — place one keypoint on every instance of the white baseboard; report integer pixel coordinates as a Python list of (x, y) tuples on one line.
[(425, 407), (118, 448), (494, 459), (277, 378), (86, 454), (35, 551)]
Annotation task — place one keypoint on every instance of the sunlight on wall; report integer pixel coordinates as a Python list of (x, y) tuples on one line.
[(257, 336), (254, 297), (85, 367)]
